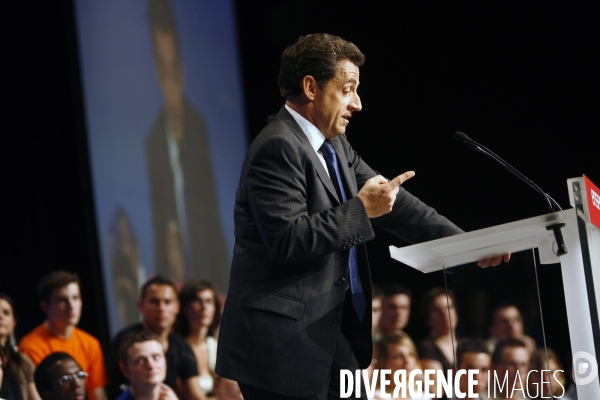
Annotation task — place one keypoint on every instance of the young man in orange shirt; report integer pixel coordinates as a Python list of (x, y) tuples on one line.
[(60, 299)]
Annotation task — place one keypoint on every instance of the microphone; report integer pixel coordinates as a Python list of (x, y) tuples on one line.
[(469, 143), (552, 204)]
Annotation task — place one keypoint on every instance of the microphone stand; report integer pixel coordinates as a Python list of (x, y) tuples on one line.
[(552, 204)]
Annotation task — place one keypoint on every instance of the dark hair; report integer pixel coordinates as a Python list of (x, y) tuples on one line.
[(470, 345), (156, 280), (55, 280), (430, 295), (131, 338), (501, 306), (160, 15), (500, 347), (42, 372), (316, 55), (392, 289), (186, 296), (376, 292), (9, 351)]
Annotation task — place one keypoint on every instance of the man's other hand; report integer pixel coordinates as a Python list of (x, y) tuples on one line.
[(493, 261), (378, 194)]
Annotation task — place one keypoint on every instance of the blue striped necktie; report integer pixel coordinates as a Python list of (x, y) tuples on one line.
[(358, 296)]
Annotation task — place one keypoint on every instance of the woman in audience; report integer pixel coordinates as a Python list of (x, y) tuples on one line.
[(17, 369), (441, 317), (397, 351), (552, 382), (197, 322)]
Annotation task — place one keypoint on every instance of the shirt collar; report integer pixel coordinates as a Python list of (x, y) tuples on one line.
[(314, 135)]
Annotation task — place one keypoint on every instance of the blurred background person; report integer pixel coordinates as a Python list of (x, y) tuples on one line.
[(376, 310), (397, 351), (511, 360), (395, 311), (198, 321), (60, 299), (16, 369), (142, 360), (507, 322), (185, 210), (441, 318), (127, 269), (60, 377), (473, 353), (553, 382)]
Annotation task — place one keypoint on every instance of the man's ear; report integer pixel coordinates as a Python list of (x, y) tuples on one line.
[(44, 306), (309, 87), (123, 369)]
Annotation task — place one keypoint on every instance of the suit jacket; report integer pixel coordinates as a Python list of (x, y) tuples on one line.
[(209, 252), (287, 289)]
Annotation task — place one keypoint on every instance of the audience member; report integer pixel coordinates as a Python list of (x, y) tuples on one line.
[(473, 354), (142, 361), (441, 317), (395, 311), (507, 322), (376, 310), (16, 380), (226, 389), (60, 377), (197, 322), (159, 306), (397, 351), (510, 364), (552, 382), (60, 299)]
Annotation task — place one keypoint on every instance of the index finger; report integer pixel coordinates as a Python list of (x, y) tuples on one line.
[(400, 179)]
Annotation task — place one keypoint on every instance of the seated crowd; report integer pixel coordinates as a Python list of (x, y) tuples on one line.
[(171, 353)]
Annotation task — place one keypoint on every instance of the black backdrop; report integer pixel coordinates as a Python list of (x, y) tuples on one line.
[(521, 79)]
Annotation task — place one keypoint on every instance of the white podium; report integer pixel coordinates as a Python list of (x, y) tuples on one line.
[(580, 267)]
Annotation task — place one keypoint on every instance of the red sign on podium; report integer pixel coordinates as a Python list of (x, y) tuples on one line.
[(593, 198)]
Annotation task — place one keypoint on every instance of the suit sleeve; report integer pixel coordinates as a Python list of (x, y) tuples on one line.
[(278, 194), (410, 219)]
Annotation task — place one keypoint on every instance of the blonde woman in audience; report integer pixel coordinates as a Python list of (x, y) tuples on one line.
[(397, 351), (553, 382), (197, 322)]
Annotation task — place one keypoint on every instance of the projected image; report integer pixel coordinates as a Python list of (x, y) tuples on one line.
[(166, 137)]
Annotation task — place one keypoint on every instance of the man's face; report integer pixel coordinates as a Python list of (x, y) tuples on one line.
[(442, 315), (337, 100), (146, 364), (480, 361), (159, 307), (64, 308), (70, 389), (513, 359), (508, 323), (170, 76), (395, 313)]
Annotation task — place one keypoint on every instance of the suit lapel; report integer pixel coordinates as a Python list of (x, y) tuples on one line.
[(287, 118), (343, 161)]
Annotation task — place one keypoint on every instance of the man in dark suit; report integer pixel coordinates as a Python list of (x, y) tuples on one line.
[(187, 230), (298, 306)]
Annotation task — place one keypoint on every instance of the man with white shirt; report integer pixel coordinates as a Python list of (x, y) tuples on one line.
[(299, 299)]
